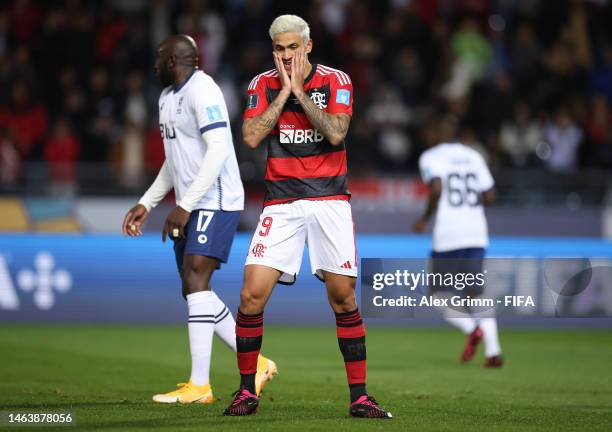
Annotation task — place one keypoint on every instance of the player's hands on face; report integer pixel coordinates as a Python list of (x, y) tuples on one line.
[(282, 73), (175, 223), (298, 64), (420, 226), (133, 220)]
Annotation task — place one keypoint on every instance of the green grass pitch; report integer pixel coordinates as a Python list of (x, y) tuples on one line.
[(554, 380)]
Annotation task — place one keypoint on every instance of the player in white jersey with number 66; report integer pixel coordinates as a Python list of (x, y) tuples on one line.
[(459, 184), (202, 169)]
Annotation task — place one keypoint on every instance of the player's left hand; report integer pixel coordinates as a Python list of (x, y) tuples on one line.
[(176, 221), (420, 226), (298, 65)]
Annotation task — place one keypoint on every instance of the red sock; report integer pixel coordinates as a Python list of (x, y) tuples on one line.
[(351, 340), (249, 333)]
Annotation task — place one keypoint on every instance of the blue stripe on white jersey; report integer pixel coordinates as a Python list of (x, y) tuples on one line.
[(213, 126)]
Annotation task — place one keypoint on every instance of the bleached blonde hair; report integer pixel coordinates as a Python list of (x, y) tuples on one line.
[(290, 23)]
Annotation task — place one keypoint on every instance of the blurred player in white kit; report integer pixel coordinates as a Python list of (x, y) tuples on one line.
[(459, 184)]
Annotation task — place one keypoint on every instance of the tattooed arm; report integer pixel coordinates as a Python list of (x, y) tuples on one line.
[(333, 126), (255, 129)]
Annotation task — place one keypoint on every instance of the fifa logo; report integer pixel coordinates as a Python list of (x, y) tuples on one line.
[(258, 250)]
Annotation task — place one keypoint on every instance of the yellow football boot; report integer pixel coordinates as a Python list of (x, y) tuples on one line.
[(266, 371), (187, 393)]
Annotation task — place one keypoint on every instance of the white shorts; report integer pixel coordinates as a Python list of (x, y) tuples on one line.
[(325, 226)]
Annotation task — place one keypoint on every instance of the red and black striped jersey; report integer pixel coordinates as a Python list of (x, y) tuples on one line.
[(301, 163)]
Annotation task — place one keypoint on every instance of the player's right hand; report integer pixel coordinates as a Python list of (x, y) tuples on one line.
[(282, 73), (133, 220)]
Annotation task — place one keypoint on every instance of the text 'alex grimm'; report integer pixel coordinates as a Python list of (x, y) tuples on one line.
[(454, 301)]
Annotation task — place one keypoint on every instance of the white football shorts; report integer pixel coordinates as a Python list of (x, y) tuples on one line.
[(325, 226)]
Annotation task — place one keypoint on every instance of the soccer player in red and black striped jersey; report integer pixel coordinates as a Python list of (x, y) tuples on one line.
[(302, 111)]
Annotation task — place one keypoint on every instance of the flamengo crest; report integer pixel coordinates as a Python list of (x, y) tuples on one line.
[(319, 99)]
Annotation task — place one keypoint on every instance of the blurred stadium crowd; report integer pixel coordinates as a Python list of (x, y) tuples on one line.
[(528, 82)]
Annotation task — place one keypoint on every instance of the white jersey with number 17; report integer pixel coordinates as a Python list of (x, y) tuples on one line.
[(185, 113), (460, 219)]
